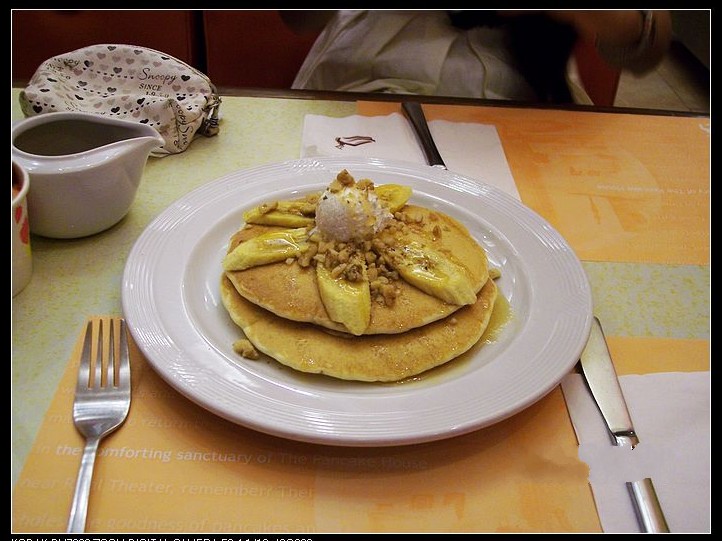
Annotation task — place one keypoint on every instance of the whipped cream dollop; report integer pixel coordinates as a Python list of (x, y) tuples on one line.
[(350, 214)]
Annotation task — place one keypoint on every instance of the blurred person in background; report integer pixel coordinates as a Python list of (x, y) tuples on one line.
[(516, 55)]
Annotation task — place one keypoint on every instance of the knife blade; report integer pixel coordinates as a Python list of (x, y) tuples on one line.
[(601, 377), (415, 114)]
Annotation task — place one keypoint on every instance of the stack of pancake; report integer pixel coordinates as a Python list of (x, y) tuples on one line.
[(282, 313)]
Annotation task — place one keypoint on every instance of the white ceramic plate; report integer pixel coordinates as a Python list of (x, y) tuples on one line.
[(171, 301)]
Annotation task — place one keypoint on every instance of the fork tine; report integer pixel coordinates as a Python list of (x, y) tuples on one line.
[(97, 366), (123, 381), (96, 363), (109, 367), (85, 357)]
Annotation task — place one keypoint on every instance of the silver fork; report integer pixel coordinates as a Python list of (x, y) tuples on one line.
[(102, 401)]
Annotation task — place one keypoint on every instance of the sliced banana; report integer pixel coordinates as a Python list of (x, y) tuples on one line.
[(431, 271), (283, 214), (267, 248), (346, 302), (393, 196)]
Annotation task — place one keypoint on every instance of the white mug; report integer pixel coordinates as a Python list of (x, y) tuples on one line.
[(20, 229)]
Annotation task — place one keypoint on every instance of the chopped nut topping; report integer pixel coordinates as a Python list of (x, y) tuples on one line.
[(354, 273), (344, 255), (345, 179), (312, 199), (246, 349), (365, 184), (389, 293), (378, 245)]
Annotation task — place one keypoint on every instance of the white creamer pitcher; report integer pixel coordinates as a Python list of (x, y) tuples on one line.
[(84, 170)]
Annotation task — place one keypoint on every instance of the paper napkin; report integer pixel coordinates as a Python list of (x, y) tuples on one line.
[(671, 415), (470, 149)]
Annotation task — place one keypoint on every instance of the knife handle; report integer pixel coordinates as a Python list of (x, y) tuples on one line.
[(647, 506), (415, 114)]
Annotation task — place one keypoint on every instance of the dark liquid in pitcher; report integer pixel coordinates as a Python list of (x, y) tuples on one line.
[(70, 137)]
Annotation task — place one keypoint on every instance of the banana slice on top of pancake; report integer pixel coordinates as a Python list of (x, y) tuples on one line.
[(267, 248), (347, 302)]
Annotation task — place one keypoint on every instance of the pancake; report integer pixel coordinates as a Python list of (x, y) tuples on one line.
[(384, 358), (291, 291)]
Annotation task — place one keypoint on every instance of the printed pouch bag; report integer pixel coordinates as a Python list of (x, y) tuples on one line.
[(130, 83)]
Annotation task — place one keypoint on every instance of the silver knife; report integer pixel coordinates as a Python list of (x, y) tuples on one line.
[(598, 370), (416, 115)]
